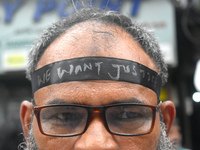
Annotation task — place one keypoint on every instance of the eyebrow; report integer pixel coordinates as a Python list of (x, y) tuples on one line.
[(131, 101), (63, 102), (60, 102)]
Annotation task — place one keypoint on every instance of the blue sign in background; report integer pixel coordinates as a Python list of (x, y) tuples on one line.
[(23, 20)]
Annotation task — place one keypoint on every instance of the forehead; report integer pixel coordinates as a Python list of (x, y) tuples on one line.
[(94, 38)]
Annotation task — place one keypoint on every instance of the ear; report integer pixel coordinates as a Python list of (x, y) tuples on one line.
[(168, 112), (26, 117)]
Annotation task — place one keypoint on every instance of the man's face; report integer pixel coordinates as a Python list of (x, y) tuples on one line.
[(95, 39), (175, 136)]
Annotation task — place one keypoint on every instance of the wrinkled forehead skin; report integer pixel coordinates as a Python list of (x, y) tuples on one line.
[(92, 38)]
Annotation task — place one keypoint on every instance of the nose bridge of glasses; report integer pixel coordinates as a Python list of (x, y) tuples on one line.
[(97, 114), (96, 110)]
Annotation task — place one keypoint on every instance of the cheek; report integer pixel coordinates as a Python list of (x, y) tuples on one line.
[(52, 143), (143, 142)]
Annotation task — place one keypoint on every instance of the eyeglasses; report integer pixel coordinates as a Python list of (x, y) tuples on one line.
[(120, 119)]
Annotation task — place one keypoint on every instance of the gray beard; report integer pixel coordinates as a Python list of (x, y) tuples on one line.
[(163, 144)]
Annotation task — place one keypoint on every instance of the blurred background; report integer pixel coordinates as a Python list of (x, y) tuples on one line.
[(175, 23)]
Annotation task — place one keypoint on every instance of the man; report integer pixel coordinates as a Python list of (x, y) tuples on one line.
[(175, 135), (96, 79)]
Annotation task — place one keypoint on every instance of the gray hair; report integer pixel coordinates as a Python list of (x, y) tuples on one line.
[(141, 35)]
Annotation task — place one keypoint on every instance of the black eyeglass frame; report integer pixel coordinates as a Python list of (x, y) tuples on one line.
[(101, 109)]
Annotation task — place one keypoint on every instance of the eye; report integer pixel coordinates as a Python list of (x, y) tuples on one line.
[(62, 116), (129, 115), (65, 119)]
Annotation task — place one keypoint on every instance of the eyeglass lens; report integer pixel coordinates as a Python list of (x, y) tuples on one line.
[(71, 120), (63, 120), (129, 119)]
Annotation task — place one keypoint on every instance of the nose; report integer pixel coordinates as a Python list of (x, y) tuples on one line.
[(96, 136)]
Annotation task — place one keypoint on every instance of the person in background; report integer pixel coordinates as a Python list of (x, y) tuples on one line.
[(175, 135), (96, 79)]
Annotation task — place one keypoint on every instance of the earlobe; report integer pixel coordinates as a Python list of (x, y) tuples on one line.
[(168, 112), (26, 117)]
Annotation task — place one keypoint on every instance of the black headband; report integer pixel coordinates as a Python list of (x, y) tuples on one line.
[(96, 68)]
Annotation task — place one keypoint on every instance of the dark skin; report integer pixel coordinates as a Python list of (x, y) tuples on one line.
[(110, 41)]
